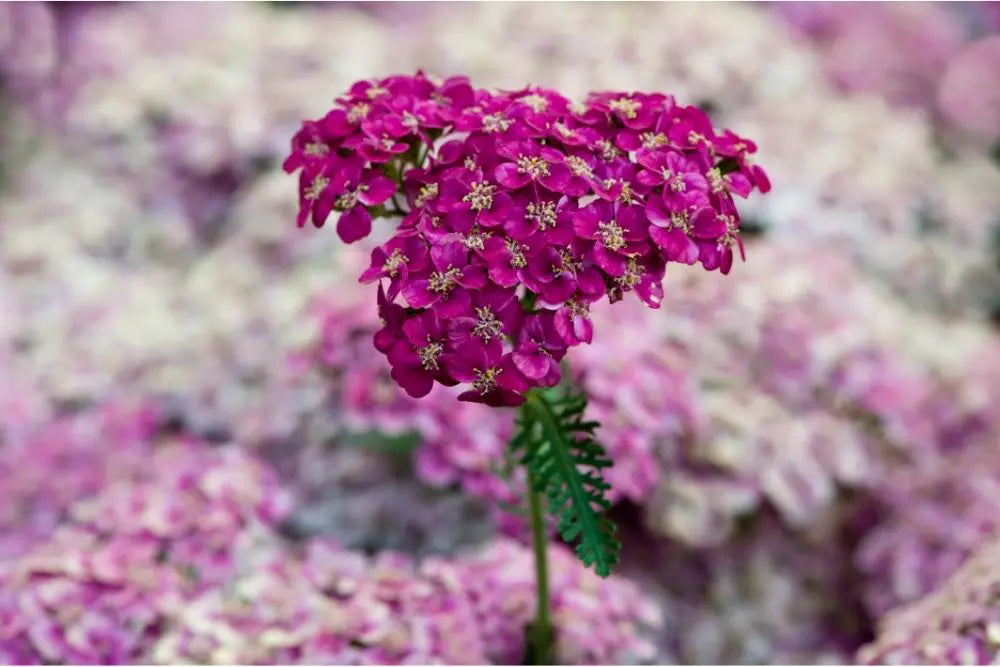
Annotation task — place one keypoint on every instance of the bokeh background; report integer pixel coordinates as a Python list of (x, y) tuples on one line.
[(202, 460)]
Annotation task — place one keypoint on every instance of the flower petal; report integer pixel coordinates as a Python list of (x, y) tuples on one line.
[(417, 295), (508, 175), (354, 224), (534, 364), (379, 189), (676, 245), (413, 379), (657, 212), (706, 224)]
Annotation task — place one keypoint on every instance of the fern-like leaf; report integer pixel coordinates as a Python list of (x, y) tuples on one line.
[(565, 462)]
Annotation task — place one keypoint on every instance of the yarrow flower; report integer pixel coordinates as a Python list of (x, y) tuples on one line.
[(516, 211), (955, 624)]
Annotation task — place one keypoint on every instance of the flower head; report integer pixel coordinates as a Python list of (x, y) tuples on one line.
[(517, 211)]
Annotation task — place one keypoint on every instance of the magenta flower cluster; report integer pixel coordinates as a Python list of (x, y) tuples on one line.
[(517, 211)]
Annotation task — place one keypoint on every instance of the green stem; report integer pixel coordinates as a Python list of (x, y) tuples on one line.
[(541, 638)]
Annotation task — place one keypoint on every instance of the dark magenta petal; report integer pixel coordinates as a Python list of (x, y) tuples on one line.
[(466, 359), (551, 155), (509, 149), (706, 224), (417, 295), (710, 255), (650, 179), (518, 227), (460, 331), (632, 222), (590, 282), (472, 277), (498, 399), (370, 275), (322, 208), (305, 211), (401, 354), (726, 261), (628, 140), (455, 304), (503, 210), (650, 291), (583, 329), (585, 223), (558, 178), (654, 161), (551, 378), (448, 255), (379, 189), (511, 377), (374, 154), (558, 290), (694, 181), (450, 151), (413, 379), (576, 186), (760, 179), (418, 254), (335, 124), (354, 224), (503, 274), (643, 120), (739, 184), (417, 330), (534, 365), (561, 235), (397, 283), (687, 200), (564, 326), (359, 88), (611, 262), (657, 212), (461, 220), (508, 176), (496, 248), (676, 245), (384, 340), (451, 196)]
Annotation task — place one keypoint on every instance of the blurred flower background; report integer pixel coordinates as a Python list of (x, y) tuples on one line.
[(203, 460)]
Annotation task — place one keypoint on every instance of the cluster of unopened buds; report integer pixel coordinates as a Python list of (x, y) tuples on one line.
[(516, 212)]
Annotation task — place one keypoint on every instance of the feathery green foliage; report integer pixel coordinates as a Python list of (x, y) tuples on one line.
[(558, 448)]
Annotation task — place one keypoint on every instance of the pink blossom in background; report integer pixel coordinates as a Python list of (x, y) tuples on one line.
[(28, 52), (189, 557), (940, 505), (598, 618), (772, 598), (133, 551), (350, 608), (185, 387), (957, 623), (48, 467), (895, 50), (968, 95)]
